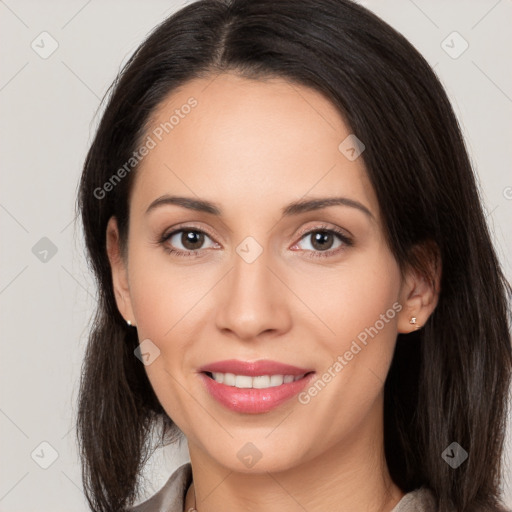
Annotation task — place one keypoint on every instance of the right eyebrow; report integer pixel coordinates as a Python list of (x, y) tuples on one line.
[(200, 205)]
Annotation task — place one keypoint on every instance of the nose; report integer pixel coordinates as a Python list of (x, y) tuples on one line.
[(253, 300)]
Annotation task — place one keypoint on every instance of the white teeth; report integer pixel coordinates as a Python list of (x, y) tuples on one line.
[(242, 381), (260, 382), (219, 377)]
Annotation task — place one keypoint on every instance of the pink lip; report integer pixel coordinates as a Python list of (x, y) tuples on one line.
[(253, 369), (252, 400)]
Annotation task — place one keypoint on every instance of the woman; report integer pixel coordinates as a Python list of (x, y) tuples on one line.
[(294, 270)]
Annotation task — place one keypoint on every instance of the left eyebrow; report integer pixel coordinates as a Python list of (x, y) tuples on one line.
[(308, 205), (294, 208)]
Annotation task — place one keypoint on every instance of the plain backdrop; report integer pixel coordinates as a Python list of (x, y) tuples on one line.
[(57, 59)]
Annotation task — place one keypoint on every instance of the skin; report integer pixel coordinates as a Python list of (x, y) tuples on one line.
[(253, 147)]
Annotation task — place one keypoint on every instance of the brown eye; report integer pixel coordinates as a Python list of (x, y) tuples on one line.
[(185, 241), (191, 240), (323, 242)]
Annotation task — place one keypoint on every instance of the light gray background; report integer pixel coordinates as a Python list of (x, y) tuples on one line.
[(47, 121)]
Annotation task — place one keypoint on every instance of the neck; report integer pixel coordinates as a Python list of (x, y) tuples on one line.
[(351, 475)]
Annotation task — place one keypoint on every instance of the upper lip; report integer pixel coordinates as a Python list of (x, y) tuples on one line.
[(254, 368)]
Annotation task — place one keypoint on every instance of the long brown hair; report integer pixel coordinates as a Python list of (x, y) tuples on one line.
[(449, 381)]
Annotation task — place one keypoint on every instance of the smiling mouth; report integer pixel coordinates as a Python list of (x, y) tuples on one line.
[(254, 382)]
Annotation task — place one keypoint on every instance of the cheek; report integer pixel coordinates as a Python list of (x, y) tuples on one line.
[(353, 297), (163, 304), (359, 304), (161, 292), (169, 302)]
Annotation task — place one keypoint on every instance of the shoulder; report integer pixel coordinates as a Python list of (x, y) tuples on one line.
[(171, 497), (423, 500), (419, 500)]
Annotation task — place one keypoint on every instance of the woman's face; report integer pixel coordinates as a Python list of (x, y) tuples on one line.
[(261, 280)]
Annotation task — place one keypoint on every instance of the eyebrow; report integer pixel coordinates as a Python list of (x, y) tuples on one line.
[(294, 208)]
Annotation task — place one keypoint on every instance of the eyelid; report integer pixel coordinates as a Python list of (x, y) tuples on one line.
[(186, 226), (324, 226), (344, 235), (300, 234)]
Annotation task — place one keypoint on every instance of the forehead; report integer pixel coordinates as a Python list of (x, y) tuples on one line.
[(240, 141)]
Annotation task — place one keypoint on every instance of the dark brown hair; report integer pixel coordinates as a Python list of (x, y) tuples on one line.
[(449, 381)]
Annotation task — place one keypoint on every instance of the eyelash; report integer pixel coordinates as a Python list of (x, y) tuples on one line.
[(314, 254)]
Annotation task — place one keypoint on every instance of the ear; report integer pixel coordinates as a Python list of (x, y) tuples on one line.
[(419, 293), (119, 272)]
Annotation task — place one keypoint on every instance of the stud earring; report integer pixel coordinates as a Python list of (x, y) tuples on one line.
[(413, 322), (129, 323)]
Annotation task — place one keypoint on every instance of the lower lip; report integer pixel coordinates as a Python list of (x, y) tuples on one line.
[(251, 400)]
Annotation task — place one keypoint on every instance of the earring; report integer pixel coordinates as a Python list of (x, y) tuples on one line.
[(129, 323), (413, 322)]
